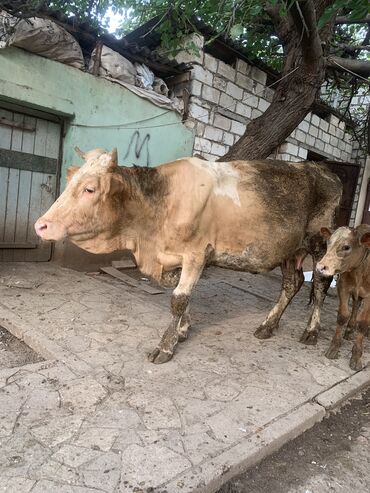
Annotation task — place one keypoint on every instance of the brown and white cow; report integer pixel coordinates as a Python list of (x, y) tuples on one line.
[(250, 216), (348, 255)]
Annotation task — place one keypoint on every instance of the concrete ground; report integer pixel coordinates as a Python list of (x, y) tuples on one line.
[(97, 417)]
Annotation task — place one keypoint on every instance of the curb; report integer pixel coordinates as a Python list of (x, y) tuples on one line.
[(208, 478), (334, 397), (41, 344)]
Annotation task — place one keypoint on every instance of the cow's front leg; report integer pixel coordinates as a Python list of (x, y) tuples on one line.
[(178, 328), (291, 283)]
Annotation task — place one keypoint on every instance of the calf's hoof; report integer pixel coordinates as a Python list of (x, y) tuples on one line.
[(332, 352), (264, 331), (159, 356), (309, 337), (355, 363)]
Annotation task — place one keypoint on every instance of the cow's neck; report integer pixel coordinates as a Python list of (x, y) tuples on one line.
[(144, 203)]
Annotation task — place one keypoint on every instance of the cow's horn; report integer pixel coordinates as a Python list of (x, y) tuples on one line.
[(114, 156), (80, 153)]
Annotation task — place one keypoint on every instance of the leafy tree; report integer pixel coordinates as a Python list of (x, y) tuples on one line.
[(314, 41)]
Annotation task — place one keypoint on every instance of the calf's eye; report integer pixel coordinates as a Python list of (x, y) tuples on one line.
[(346, 248), (89, 190)]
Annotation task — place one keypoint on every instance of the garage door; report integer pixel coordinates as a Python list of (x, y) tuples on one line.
[(29, 151)]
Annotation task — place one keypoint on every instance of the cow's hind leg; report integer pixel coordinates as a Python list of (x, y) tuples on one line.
[(291, 284), (178, 328), (320, 287)]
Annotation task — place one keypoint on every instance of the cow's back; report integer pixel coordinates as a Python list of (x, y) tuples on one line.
[(249, 212)]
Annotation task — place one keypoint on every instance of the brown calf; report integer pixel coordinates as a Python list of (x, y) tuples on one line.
[(348, 255)]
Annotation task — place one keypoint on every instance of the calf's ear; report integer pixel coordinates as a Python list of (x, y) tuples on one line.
[(325, 233), (71, 171), (365, 240)]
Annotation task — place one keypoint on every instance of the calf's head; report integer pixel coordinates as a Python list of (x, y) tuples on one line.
[(346, 249), (88, 212)]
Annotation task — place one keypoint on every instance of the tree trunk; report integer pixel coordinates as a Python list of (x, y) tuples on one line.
[(291, 102), (295, 94)]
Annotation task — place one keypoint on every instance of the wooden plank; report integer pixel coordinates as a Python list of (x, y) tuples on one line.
[(17, 133), (52, 140), (11, 211), (124, 264), (48, 188), (130, 281), (17, 245), (28, 141), (16, 124), (33, 214), (21, 224), (27, 162), (5, 132), (4, 177), (41, 137)]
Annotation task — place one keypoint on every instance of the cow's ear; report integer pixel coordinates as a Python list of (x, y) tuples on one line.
[(325, 233), (365, 240), (71, 171), (80, 153)]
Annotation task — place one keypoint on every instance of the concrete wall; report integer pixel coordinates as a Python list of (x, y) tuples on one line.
[(83, 99), (225, 98)]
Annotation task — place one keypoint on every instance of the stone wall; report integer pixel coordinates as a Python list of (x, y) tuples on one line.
[(224, 98)]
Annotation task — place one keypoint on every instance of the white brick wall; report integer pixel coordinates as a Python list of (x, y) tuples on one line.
[(224, 98)]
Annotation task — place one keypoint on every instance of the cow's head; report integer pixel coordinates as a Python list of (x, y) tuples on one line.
[(88, 211), (346, 248)]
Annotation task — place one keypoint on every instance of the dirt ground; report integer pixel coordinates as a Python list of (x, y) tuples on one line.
[(14, 352), (333, 456)]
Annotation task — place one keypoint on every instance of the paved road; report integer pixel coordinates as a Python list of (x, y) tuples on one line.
[(334, 456)]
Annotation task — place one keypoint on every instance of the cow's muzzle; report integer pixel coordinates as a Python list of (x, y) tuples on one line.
[(50, 231), (324, 269)]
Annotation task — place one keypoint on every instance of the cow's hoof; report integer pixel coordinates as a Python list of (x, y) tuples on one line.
[(355, 364), (332, 352), (264, 332), (309, 338), (348, 334), (158, 357)]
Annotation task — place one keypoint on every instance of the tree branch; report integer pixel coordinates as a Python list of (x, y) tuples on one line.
[(345, 20), (304, 16), (358, 67)]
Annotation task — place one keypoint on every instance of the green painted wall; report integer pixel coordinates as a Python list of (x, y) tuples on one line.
[(87, 100)]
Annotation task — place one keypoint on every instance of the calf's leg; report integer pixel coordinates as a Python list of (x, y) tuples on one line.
[(177, 331), (348, 333), (291, 284), (342, 319), (362, 331)]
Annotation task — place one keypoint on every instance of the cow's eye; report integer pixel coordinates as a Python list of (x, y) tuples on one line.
[(89, 190), (346, 248)]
